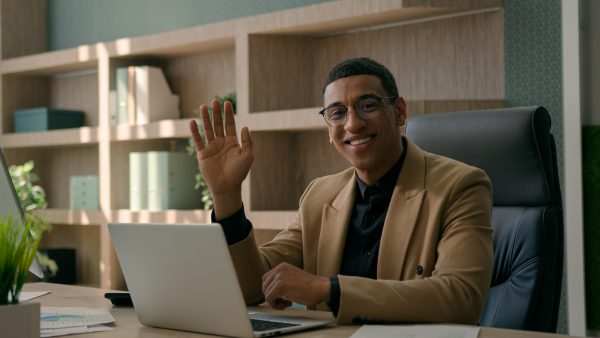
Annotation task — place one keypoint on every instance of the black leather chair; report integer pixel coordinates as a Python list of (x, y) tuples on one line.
[(516, 149)]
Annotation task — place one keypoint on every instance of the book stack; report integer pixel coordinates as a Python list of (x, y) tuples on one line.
[(142, 96), (162, 180)]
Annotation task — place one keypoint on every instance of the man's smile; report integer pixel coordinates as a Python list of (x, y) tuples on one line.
[(359, 141)]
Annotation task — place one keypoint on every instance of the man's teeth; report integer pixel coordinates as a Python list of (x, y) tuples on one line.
[(361, 141)]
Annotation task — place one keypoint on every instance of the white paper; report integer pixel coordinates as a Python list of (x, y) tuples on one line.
[(73, 330), (29, 295), (416, 331), (63, 317)]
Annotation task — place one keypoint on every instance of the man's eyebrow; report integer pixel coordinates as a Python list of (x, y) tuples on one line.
[(336, 103), (363, 96)]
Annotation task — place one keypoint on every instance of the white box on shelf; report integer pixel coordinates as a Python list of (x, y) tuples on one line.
[(153, 98)]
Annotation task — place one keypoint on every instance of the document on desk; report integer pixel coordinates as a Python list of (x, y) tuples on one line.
[(60, 321), (416, 331)]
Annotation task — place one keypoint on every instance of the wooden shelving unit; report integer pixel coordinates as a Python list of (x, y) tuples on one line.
[(446, 55)]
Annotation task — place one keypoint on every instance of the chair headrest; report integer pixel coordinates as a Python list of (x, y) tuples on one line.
[(512, 145)]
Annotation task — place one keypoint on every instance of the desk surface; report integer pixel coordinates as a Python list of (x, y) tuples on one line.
[(127, 324)]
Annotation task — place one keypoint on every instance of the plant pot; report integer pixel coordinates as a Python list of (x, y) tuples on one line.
[(20, 320)]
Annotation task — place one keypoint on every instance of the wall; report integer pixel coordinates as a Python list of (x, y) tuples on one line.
[(75, 22), (533, 66)]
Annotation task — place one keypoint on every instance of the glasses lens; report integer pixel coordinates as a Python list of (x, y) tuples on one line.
[(369, 107), (335, 115)]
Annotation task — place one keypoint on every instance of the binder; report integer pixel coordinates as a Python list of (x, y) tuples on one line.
[(154, 100), (171, 180), (138, 181)]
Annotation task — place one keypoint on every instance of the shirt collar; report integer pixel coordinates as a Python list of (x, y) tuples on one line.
[(387, 182)]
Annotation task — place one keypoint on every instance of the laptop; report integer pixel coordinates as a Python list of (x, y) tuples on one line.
[(11, 205), (181, 277)]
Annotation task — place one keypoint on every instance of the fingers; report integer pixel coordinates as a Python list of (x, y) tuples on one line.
[(196, 135), (229, 119), (217, 118), (206, 124), (246, 140)]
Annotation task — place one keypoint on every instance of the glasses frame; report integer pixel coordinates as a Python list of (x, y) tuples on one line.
[(382, 98)]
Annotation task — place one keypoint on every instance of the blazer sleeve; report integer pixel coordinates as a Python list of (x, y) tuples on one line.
[(456, 290), (251, 262)]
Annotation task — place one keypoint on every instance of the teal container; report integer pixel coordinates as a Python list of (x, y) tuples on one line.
[(42, 119)]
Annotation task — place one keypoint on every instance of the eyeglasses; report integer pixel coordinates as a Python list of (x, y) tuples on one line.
[(367, 108)]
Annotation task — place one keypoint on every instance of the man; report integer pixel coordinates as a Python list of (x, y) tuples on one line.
[(402, 236)]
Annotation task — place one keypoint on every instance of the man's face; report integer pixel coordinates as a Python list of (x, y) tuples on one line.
[(371, 146)]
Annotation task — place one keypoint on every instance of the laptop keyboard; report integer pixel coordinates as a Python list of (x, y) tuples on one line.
[(265, 325)]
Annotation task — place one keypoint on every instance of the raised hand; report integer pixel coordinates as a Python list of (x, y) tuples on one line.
[(224, 163)]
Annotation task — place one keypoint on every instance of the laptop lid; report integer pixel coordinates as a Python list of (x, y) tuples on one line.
[(181, 276), (10, 204)]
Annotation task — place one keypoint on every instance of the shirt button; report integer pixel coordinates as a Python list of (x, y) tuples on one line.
[(419, 270), (368, 253)]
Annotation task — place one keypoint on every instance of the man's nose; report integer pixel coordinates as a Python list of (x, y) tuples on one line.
[(353, 120)]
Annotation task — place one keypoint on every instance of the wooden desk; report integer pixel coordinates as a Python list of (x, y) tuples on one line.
[(127, 324)]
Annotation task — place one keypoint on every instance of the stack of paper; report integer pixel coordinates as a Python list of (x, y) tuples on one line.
[(60, 321), (416, 331)]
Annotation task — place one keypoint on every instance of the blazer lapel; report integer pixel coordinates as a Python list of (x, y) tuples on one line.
[(334, 226), (402, 214)]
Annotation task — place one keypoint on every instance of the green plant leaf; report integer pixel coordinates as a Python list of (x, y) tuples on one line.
[(18, 247)]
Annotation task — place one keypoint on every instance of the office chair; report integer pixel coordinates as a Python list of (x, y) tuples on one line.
[(516, 149)]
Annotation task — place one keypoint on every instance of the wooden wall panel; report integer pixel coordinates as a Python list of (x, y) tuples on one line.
[(281, 72), (78, 91), (273, 175), (23, 27), (455, 58)]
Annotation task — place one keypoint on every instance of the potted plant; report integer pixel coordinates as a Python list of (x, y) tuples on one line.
[(32, 198), (18, 247)]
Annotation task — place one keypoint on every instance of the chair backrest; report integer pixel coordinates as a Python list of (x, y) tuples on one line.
[(515, 148)]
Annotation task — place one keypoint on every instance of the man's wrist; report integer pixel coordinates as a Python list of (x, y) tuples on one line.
[(227, 203)]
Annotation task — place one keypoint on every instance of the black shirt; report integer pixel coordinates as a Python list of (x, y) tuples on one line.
[(364, 231)]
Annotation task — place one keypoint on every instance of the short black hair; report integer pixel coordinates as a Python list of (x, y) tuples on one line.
[(363, 66)]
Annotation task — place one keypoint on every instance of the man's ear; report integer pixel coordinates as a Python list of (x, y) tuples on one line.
[(400, 112)]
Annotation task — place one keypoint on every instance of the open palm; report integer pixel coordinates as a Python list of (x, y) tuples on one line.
[(224, 163)]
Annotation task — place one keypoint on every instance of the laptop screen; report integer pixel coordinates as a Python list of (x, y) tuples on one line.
[(10, 204)]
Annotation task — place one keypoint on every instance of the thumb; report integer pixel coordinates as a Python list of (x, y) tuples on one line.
[(246, 141)]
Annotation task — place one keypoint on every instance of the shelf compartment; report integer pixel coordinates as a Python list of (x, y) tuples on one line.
[(119, 164), (430, 60), (75, 90), (86, 242), (195, 78), (55, 166)]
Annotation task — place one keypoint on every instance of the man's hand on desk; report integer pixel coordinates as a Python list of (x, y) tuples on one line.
[(286, 283)]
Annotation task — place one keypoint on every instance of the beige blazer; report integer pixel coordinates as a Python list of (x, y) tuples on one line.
[(438, 222)]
